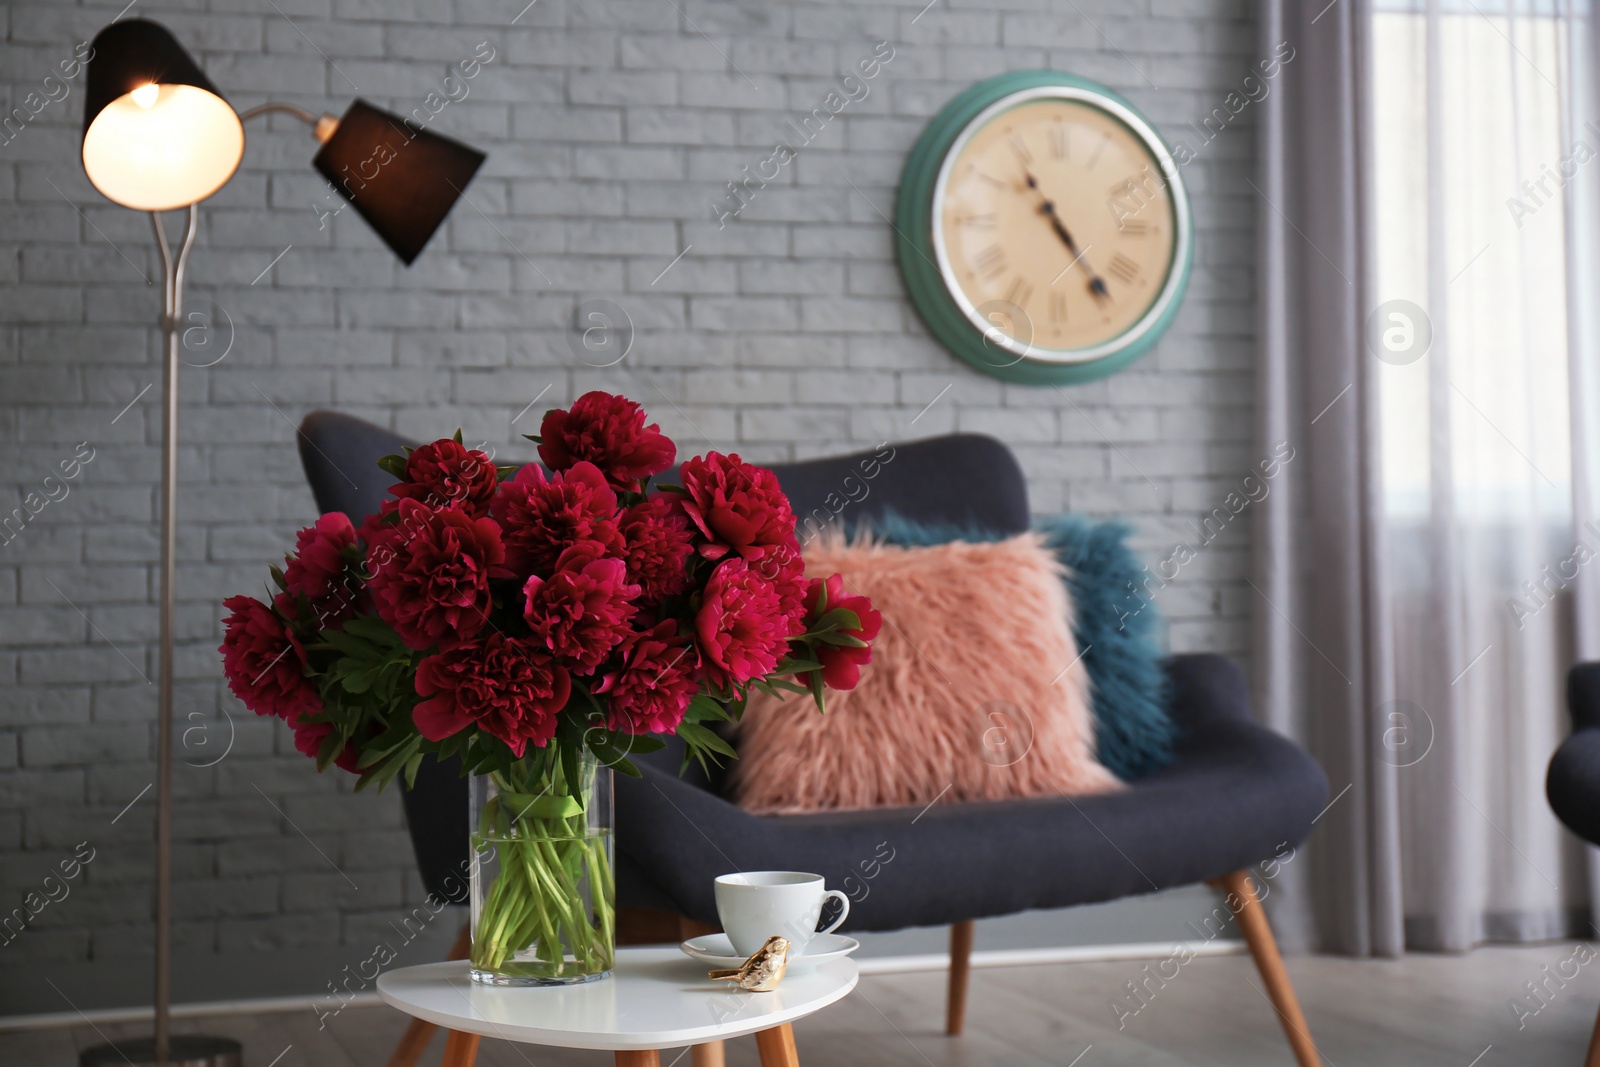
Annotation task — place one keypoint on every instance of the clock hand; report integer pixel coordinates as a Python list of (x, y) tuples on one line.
[(1097, 284), (1049, 209)]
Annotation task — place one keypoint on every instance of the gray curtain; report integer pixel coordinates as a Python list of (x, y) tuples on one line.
[(1435, 469), (1321, 656)]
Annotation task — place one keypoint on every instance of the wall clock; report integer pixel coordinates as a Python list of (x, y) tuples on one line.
[(1043, 229)]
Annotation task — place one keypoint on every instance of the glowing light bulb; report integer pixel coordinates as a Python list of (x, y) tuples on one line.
[(145, 95)]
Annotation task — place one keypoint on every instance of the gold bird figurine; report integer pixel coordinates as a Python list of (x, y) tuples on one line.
[(761, 972)]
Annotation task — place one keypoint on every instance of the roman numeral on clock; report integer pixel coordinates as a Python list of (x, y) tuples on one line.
[(996, 182), (1131, 227), (1123, 269), (1105, 139), (1058, 140), (990, 261), (1058, 307), (1018, 293), (977, 222), (1020, 147)]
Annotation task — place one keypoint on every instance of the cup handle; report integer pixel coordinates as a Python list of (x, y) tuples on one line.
[(844, 910)]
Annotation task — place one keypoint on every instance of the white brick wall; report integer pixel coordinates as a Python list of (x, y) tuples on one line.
[(610, 125)]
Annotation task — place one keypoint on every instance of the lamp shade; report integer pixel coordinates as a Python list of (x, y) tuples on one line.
[(156, 133), (401, 178)]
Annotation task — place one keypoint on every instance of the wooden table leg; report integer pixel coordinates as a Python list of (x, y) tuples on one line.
[(413, 1043), (460, 1049), (419, 1032), (638, 1058), (711, 1054), (776, 1047)]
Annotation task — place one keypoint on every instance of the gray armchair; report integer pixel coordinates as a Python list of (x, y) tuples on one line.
[(1236, 795), (1573, 781)]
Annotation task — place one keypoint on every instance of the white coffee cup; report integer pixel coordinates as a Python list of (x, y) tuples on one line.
[(754, 905)]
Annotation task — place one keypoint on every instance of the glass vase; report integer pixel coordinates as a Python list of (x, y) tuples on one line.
[(543, 892)]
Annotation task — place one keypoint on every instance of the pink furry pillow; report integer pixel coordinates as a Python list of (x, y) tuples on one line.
[(976, 690)]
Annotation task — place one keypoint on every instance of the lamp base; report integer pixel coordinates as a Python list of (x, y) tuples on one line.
[(184, 1050)]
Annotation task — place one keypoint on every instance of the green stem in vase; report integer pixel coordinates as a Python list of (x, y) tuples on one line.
[(548, 911)]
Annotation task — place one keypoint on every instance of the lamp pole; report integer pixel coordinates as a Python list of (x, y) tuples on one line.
[(188, 1050), (172, 273)]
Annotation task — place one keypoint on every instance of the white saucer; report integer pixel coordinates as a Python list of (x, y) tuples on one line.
[(717, 950)]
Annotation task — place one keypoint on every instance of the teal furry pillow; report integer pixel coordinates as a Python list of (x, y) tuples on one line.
[(1134, 733)]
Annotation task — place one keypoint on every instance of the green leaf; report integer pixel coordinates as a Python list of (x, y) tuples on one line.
[(541, 805), (701, 737), (625, 766), (352, 645), (843, 640), (395, 465), (278, 577), (778, 686), (815, 678), (357, 682), (837, 619), (374, 629), (703, 708)]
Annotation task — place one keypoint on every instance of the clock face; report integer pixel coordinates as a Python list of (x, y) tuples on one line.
[(1056, 228)]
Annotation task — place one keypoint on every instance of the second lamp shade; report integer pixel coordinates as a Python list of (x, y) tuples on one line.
[(402, 179)]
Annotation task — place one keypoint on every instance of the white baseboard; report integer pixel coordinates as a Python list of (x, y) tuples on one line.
[(1030, 957), (1019, 957)]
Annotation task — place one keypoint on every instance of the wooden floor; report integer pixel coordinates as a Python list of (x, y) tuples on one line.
[(1424, 1010)]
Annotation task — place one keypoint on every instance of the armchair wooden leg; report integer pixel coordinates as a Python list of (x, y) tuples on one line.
[(419, 1033), (1257, 931), (776, 1047), (712, 1053), (461, 1050), (1593, 1058), (955, 1013), (637, 1058)]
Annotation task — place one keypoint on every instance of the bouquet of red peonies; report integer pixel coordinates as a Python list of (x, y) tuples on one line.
[(541, 625)]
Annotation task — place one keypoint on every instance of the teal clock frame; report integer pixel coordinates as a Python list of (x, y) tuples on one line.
[(918, 263)]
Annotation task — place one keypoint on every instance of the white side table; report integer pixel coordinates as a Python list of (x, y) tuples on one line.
[(656, 998)]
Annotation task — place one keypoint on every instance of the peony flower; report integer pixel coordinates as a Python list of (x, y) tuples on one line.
[(509, 689), (582, 611), (608, 431), (741, 628), (841, 664), (544, 516), (264, 662), (430, 573), (737, 506), (308, 738), (659, 543), (783, 567), (448, 474), (321, 569), (651, 690)]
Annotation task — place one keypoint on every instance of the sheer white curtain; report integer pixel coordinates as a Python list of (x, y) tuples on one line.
[(1472, 156), (1439, 565)]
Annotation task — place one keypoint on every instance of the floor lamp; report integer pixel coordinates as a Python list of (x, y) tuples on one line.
[(158, 136)]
